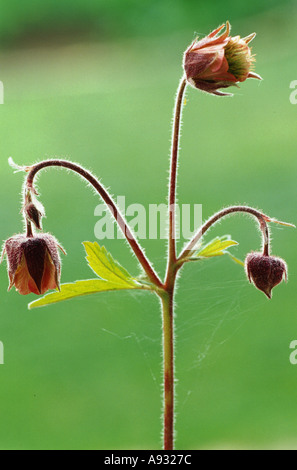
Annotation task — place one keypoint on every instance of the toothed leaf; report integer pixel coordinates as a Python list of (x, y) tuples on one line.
[(217, 247), (104, 265), (112, 277), (78, 289)]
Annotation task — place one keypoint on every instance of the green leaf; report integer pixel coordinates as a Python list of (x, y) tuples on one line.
[(112, 277), (217, 247), (78, 289), (103, 264)]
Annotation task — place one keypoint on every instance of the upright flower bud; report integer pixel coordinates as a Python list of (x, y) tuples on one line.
[(34, 264), (219, 61), (265, 271)]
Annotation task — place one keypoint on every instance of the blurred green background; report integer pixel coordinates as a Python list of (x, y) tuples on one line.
[(94, 81)]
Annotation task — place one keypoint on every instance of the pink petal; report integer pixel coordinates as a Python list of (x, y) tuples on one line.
[(49, 275), (22, 280)]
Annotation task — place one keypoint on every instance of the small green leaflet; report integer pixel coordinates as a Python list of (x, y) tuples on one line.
[(103, 264), (112, 277), (217, 247)]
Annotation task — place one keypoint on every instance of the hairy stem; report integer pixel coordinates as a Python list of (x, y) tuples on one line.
[(168, 370), (173, 171), (262, 219), (29, 232), (110, 204), (168, 296)]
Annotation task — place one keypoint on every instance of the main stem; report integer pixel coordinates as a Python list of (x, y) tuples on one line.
[(168, 372), (174, 264), (173, 173), (169, 286)]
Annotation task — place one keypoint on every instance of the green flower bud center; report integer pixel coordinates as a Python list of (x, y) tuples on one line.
[(239, 58)]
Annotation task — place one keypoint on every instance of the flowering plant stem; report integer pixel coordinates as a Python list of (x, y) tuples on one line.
[(168, 364), (165, 290), (168, 297), (174, 264), (264, 270)]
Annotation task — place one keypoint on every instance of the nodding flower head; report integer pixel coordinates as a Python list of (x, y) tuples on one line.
[(34, 264), (219, 61), (265, 271)]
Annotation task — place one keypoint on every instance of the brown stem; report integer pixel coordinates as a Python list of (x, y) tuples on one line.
[(168, 296), (168, 361), (262, 218), (29, 232), (173, 171), (110, 204)]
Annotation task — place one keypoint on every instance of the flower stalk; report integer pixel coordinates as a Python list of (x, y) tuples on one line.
[(115, 211), (173, 173), (262, 219)]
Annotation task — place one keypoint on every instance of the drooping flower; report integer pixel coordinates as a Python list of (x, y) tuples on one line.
[(34, 264), (219, 61), (265, 271)]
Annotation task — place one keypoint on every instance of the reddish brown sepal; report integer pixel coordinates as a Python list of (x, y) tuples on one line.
[(266, 272), (34, 264)]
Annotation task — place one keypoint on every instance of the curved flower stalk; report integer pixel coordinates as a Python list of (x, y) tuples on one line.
[(210, 64)]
